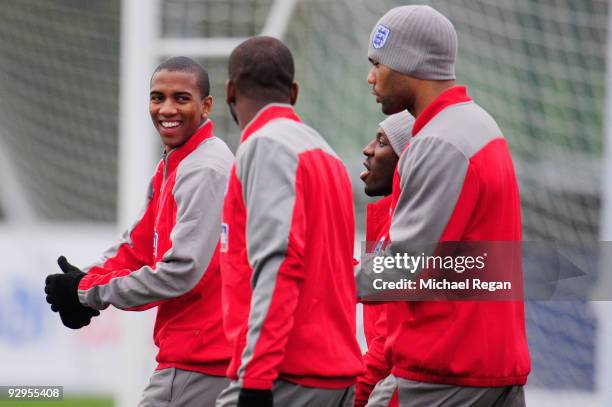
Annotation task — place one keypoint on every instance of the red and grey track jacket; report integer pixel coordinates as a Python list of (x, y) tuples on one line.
[(455, 182), (286, 258), (169, 258), (378, 221)]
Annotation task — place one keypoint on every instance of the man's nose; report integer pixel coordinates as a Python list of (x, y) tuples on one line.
[(167, 108), (368, 150), (371, 78)]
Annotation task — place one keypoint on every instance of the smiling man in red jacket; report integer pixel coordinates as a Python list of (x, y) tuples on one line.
[(169, 258), (455, 182), (287, 246)]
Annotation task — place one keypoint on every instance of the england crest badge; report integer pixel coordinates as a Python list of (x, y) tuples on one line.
[(223, 241), (380, 36)]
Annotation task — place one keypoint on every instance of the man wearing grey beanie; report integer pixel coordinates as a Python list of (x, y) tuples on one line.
[(455, 182), (375, 387), (383, 151)]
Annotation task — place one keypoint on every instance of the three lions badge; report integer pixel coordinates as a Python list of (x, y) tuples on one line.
[(380, 36)]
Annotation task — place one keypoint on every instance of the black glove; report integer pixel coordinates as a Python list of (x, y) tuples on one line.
[(62, 294), (78, 319), (255, 398), (62, 289)]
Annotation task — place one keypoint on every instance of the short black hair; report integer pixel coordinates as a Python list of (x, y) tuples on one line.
[(184, 64), (263, 67)]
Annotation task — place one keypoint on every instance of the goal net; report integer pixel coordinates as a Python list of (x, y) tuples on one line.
[(538, 66), (59, 72)]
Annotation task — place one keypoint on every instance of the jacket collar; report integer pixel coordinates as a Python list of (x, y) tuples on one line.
[(454, 95), (176, 155), (268, 113), (378, 218), (378, 211)]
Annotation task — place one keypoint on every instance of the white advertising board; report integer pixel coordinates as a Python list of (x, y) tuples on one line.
[(35, 348)]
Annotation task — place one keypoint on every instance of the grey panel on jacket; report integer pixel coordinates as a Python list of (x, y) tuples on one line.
[(432, 171), (266, 166), (266, 169), (466, 126), (198, 191), (295, 136), (431, 179)]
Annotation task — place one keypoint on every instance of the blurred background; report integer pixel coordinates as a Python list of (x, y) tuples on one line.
[(77, 149)]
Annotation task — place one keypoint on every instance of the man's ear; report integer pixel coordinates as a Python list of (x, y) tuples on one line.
[(207, 104), (294, 93), (230, 92)]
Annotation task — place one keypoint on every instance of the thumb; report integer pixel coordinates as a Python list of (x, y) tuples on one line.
[(65, 266)]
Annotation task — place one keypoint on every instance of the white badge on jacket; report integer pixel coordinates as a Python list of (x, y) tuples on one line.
[(224, 237)]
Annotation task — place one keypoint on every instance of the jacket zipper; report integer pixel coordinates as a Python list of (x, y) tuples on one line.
[(165, 156)]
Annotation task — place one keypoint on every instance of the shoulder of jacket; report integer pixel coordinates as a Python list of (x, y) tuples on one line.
[(465, 127), (210, 155), (274, 135)]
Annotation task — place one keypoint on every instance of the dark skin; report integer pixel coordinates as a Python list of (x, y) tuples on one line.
[(397, 92), (244, 107), (177, 106), (380, 164)]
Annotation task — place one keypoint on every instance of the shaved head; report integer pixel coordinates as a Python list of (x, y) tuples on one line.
[(184, 64), (262, 67)]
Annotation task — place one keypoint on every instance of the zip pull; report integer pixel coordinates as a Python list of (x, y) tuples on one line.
[(165, 156)]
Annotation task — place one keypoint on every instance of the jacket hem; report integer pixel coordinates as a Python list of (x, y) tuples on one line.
[(316, 382), (211, 369), (460, 381), (320, 382)]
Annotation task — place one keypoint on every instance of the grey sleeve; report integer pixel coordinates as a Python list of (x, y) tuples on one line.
[(432, 172), (268, 174), (269, 195), (198, 192)]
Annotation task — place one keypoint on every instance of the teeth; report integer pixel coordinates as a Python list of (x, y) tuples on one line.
[(170, 124)]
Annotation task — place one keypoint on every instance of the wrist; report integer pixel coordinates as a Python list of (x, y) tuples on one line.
[(78, 276)]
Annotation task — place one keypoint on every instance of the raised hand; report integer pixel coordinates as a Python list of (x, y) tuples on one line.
[(62, 294)]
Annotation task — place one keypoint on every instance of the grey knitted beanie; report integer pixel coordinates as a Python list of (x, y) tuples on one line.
[(398, 128), (416, 41)]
